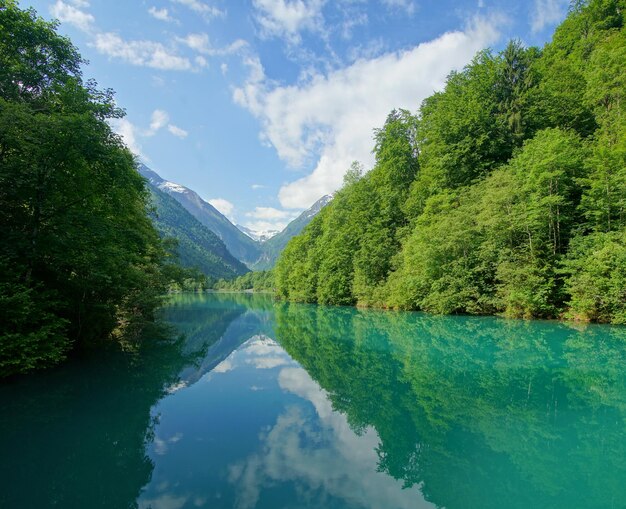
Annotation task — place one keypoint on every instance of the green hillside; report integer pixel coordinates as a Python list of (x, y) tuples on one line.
[(238, 243), (198, 247), (505, 193), (272, 247)]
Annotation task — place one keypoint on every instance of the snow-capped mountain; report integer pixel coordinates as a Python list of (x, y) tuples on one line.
[(274, 246), (257, 249), (258, 235), (238, 243)]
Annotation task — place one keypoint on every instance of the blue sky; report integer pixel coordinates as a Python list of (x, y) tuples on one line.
[(261, 105)]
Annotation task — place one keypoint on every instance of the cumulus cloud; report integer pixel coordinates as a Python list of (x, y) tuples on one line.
[(224, 206), (269, 213), (144, 53), (547, 12), (141, 52), (158, 120), (72, 14), (320, 453), (327, 120), (160, 14), (287, 18), (269, 219)]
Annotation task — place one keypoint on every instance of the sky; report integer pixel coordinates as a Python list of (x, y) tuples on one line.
[(260, 106)]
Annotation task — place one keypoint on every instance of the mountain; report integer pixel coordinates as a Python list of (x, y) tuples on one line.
[(258, 250), (198, 246), (238, 243), (275, 245), (259, 236)]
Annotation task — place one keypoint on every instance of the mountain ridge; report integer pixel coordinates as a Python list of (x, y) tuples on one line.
[(238, 243), (257, 254), (197, 246), (260, 236), (275, 245)]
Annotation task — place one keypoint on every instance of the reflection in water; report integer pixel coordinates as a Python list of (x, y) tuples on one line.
[(264, 405), (478, 412), (321, 454), (75, 436)]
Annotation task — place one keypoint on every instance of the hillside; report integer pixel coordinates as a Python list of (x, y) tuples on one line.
[(238, 243), (197, 246), (258, 254), (504, 194), (273, 247)]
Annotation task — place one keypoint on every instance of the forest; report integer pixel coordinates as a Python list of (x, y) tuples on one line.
[(80, 259), (504, 194)]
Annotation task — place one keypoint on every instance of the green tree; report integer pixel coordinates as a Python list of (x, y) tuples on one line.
[(82, 257)]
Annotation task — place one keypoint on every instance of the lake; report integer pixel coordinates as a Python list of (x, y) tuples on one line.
[(271, 405)]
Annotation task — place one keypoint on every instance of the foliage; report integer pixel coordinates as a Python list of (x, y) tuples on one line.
[(196, 247), (506, 193), (258, 281), (597, 282), (80, 258)]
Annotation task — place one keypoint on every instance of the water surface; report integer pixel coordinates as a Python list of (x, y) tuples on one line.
[(264, 405)]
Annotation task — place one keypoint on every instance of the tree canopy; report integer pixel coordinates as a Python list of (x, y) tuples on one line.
[(80, 258), (504, 193)]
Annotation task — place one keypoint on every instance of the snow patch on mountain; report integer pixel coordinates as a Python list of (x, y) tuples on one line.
[(171, 186), (258, 235)]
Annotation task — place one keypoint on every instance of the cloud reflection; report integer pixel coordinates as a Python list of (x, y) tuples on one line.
[(259, 351), (321, 454)]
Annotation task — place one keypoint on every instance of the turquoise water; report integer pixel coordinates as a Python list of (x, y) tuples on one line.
[(264, 405)]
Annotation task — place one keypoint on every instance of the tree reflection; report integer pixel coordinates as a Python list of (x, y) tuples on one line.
[(76, 437), (477, 412)]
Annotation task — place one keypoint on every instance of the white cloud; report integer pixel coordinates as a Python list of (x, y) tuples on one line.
[(262, 227), (165, 501), (158, 120), (223, 367), (200, 43), (263, 219), (329, 118), (160, 14), (258, 186), (129, 133), (177, 131), (208, 11), (71, 14), (145, 53), (224, 206), (351, 21), (269, 213), (547, 12), (407, 6), (287, 18), (197, 42), (141, 53), (268, 362)]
